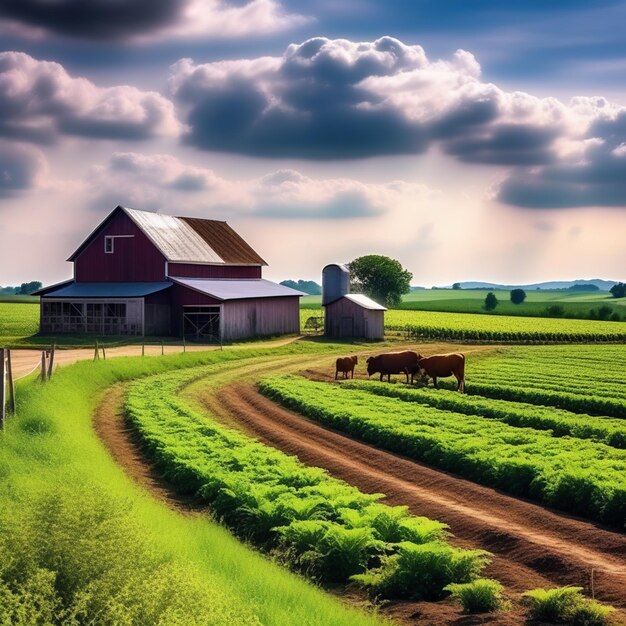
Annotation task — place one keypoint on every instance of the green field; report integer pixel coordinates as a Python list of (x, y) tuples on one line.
[(562, 458), (80, 542)]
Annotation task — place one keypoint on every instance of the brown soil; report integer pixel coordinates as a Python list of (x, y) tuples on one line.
[(532, 546)]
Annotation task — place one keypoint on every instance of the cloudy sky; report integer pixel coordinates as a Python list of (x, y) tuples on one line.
[(479, 140)]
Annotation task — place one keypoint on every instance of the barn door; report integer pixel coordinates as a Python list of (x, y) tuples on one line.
[(347, 327), (201, 322)]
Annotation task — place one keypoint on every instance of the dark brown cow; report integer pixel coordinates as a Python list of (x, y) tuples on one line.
[(392, 363), (345, 364), (440, 366)]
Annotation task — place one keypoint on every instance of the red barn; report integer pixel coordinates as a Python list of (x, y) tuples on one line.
[(143, 273)]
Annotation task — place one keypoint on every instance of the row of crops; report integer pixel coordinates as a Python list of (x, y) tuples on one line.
[(314, 523), (473, 327), (581, 476)]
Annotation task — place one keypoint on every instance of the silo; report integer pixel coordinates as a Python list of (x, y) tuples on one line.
[(335, 282)]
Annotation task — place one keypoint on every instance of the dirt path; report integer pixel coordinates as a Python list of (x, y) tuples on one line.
[(25, 361), (532, 545)]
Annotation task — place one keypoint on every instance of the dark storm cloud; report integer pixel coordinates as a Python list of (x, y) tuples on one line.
[(20, 167), (336, 99), (99, 19), (39, 101)]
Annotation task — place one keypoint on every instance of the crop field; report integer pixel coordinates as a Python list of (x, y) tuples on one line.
[(562, 458), (322, 526), (18, 319)]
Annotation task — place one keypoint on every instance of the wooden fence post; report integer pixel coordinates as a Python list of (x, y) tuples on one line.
[(162, 349), (51, 362), (104, 354), (43, 366), (96, 354), (143, 348), (11, 382), (184, 344), (2, 387)]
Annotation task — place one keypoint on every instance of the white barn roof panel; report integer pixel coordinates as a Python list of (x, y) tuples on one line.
[(237, 289), (365, 302)]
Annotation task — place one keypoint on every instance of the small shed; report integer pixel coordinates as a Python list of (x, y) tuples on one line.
[(355, 315)]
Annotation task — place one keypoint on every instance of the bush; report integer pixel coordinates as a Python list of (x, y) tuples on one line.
[(604, 312), (482, 595), (491, 302), (618, 290), (556, 310), (566, 605), (518, 296)]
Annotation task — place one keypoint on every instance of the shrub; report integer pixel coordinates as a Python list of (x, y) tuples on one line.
[(420, 572), (518, 296), (491, 302), (482, 595), (566, 605), (618, 290), (604, 312), (556, 310)]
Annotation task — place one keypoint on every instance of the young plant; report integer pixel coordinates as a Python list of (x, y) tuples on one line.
[(482, 595)]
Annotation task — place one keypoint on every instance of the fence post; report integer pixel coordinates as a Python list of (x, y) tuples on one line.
[(184, 344), (11, 382), (43, 366), (96, 354), (104, 354), (143, 348), (2, 387), (162, 348), (51, 362)]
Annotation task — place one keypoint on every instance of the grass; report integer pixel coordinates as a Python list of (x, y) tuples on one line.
[(482, 595), (79, 541), (566, 605), (315, 523), (576, 475)]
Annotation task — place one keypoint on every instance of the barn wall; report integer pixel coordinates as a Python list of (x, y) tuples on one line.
[(345, 319), (135, 259), (260, 317), (193, 270), (182, 296), (157, 313)]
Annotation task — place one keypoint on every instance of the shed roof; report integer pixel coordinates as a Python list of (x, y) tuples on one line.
[(365, 302), (186, 239), (107, 290), (237, 289)]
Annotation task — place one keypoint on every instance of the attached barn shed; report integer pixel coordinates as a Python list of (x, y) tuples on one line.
[(143, 273)]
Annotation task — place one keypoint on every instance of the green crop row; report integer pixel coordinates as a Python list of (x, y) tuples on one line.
[(315, 523), (579, 476), (561, 423)]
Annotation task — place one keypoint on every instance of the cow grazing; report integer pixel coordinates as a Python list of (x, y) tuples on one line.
[(345, 364), (392, 363), (441, 366)]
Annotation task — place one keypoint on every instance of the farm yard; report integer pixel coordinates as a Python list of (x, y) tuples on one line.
[(212, 445)]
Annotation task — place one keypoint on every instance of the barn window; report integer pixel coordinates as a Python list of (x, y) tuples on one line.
[(108, 245)]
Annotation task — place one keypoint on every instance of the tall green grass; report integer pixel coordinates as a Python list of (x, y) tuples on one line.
[(81, 543)]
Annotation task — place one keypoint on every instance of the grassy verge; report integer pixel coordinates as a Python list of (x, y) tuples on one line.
[(80, 543), (579, 476)]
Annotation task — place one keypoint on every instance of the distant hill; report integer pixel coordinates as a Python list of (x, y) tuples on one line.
[(308, 286), (603, 285)]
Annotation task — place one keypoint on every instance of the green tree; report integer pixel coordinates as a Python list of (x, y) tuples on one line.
[(491, 302), (518, 296), (618, 290), (456, 286), (26, 289), (381, 278)]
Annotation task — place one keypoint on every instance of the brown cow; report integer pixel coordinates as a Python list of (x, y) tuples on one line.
[(440, 366), (346, 365), (392, 363)]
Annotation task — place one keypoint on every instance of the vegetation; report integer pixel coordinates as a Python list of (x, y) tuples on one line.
[(308, 286), (381, 278), (81, 543), (518, 296), (25, 289), (560, 422), (315, 523), (618, 290), (491, 302), (460, 327), (482, 595), (566, 605), (576, 475)]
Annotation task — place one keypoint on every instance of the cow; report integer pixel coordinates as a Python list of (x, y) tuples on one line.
[(440, 366), (345, 364), (392, 363)]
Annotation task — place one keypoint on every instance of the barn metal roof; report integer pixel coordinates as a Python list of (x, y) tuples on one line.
[(237, 289), (107, 290), (365, 302), (186, 239)]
